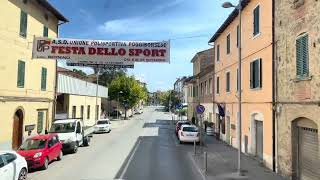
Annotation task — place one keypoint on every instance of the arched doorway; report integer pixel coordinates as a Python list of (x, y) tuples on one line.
[(17, 131), (305, 149)]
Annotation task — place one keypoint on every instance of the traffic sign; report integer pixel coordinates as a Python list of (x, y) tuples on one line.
[(179, 106), (200, 109)]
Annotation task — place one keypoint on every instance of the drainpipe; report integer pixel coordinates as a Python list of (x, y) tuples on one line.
[(54, 103), (274, 85)]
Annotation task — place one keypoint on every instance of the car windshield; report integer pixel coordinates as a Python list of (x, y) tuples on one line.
[(30, 144), (63, 127), (102, 122), (190, 129)]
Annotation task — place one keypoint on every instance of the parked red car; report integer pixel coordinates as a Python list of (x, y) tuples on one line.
[(179, 124), (40, 150)]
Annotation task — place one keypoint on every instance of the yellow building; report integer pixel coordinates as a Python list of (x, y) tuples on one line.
[(256, 80), (26, 85)]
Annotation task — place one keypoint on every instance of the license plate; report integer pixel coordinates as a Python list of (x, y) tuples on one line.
[(101, 128), (189, 135)]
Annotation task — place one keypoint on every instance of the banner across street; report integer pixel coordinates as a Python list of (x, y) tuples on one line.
[(100, 51)]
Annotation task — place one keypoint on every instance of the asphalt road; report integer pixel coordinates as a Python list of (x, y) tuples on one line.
[(143, 148)]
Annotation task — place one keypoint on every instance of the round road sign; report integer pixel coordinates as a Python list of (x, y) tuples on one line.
[(200, 109)]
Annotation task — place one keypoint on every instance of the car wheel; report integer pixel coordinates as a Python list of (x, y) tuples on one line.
[(86, 141), (60, 156), (46, 164), (23, 174), (75, 149)]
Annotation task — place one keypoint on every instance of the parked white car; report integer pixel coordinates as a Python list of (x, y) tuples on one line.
[(102, 125), (188, 133), (139, 111), (12, 166)]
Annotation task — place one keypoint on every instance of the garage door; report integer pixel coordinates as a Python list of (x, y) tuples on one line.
[(309, 162)]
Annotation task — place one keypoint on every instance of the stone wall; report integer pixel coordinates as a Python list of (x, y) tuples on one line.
[(295, 98)]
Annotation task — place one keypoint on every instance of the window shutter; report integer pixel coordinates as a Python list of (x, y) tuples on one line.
[(45, 31), (44, 79), (40, 122), (305, 55), (260, 73), (302, 57), (21, 74), (23, 23), (251, 75), (256, 19)]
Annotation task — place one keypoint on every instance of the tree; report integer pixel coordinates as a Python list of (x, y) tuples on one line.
[(132, 91), (80, 72), (107, 75), (167, 96)]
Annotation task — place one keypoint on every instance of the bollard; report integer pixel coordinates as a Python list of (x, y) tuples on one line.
[(194, 148), (205, 162)]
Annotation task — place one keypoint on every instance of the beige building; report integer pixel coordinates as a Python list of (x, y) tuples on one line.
[(297, 26), (200, 85), (77, 98), (27, 85), (256, 77)]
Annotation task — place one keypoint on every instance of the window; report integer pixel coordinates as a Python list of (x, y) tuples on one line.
[(43, 79), (256, 21), (88, 112), (218, 87), (74, 110), (81, 111), (201, 89), (302, 57), (209, 87), (40, 122), (228, 44), (194, 91), (256, 74), (21, 74), (23, 24), (228, 82), (238, 35), (218, 53), (9, 157), (45, 31), (237, 79), (97, 112)]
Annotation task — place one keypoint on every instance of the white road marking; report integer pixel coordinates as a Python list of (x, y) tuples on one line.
[(130, 159), (197, 167)]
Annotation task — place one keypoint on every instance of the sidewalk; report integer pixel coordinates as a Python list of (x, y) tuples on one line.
[(222, 163)]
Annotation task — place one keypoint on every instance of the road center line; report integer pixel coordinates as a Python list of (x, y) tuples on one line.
[(130, 159)]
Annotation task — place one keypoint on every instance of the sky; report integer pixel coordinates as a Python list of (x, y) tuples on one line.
[(188, 24)]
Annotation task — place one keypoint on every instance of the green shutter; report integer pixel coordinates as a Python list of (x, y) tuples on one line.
[(43, 79), (23, 24), (260, 73), (218, 53), (251, 75), (45, 31), (218, 85), (302, 57), (256, 20), (40, 122), (21, 74), (228, 44)]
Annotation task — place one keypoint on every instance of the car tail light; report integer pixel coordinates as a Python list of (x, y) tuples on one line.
[(182, 134)]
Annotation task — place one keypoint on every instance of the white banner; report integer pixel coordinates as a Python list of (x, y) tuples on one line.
[(99, 51), (102, 64)]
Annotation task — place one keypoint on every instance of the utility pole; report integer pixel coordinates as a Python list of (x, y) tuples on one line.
[(97, 91), (239, 8)]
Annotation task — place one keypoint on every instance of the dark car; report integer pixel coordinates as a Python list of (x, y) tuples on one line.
[(179, 124)]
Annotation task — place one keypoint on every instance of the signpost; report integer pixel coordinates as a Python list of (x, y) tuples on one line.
[(200, 110)]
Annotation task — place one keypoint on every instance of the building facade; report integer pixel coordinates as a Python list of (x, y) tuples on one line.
[(256, 78), (297, 26), (77, 98), (27, 85), (200, 84), (179, 88)]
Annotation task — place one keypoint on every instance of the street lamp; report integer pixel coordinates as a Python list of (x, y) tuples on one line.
[(239, 8), (120, 92)]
